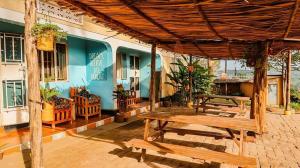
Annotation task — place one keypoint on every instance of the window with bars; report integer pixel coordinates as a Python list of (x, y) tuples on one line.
[(14, 93), (11, 47), (53, 65)]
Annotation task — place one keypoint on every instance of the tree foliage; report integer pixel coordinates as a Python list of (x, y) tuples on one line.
[(277, 62), (179, 77)]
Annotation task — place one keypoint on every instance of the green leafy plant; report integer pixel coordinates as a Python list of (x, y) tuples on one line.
[(295, 95), (40, 30), (295, 106), (47, 93), (179, 79)]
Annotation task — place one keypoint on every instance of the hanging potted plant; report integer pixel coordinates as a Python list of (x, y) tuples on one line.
[(47, 34)]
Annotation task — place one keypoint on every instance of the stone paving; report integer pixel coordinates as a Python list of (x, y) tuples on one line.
[(104, 147)]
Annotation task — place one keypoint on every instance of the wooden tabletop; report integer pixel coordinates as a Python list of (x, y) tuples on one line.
[(214, 121), (243, 98)]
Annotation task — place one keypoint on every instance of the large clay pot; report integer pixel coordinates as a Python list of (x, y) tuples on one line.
[(120, 117), (190, 105), (46, 42), (48, 111)]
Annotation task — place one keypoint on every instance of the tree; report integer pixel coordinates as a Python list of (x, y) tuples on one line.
[(34, 104), (278, 62)]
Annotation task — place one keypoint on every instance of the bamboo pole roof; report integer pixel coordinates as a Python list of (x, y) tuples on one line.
[(209, 28)]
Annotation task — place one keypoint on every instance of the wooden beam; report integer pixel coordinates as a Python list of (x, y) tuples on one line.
[(34, 104), (108, 19), (152, 79), (201, 50), (148, 18), (288, 82), (258, 101), (205, 18), (292, 18)]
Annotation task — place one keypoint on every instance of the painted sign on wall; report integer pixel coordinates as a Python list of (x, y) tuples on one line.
[(97, 65)]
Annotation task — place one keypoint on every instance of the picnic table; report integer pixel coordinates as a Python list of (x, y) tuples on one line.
[(229, 124), (237, 101)]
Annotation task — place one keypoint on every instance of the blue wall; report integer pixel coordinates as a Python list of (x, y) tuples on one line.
[(81, 67), (90, 64), (76, 66), (100, 72), (145, 73)]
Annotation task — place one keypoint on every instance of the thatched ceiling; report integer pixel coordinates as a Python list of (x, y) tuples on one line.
[(211, 28)]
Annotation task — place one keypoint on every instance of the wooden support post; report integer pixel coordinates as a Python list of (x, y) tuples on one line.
[(283, 83), (34, 89), (258, 101), (190, 80), (152, 79), (209, 66), (288, 83)]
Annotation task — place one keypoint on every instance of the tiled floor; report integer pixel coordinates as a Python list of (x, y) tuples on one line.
[(105, 147)]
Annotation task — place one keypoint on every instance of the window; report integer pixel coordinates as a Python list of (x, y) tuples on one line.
[(121, 66), (53, 65), (11, 47), (14, 94)]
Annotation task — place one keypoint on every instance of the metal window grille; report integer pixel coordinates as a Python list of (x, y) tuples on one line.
[(8, 40)]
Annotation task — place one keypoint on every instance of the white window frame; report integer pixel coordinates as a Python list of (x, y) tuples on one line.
[(24, 95), (13, 36), (120, 72), (55, 65)]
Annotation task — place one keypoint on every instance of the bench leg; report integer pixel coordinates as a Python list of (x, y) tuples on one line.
[(143, 156), (146, 135), (242, 143), (161, 131)]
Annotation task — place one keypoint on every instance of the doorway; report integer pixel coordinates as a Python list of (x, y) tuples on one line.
[(134, 75), (272, 94)]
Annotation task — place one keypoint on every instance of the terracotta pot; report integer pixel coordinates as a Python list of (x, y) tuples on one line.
[(73, 91), (46, 42), (48, 111), (190, 105), (120, 118)]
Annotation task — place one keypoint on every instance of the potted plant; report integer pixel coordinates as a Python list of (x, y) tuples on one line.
[(121, 95), (46, 34), (48, 108)]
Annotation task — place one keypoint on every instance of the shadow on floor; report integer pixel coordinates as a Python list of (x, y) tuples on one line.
[(150, 160), (120, 135)]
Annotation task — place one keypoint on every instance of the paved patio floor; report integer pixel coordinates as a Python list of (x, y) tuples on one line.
[(104, 147)]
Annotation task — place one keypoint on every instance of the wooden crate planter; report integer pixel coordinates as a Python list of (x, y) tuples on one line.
[(131, 100), (85, 108), (57, 115)]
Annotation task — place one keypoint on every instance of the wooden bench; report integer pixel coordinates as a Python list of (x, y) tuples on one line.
[(237, 101), (229, 124), (196, 153)]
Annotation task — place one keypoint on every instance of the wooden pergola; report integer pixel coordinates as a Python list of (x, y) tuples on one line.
[(213, 29), (230, 29)]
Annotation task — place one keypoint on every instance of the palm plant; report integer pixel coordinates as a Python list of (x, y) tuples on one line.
[(179, 79)]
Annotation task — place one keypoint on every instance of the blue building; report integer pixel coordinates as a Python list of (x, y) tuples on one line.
[(89, 57)]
